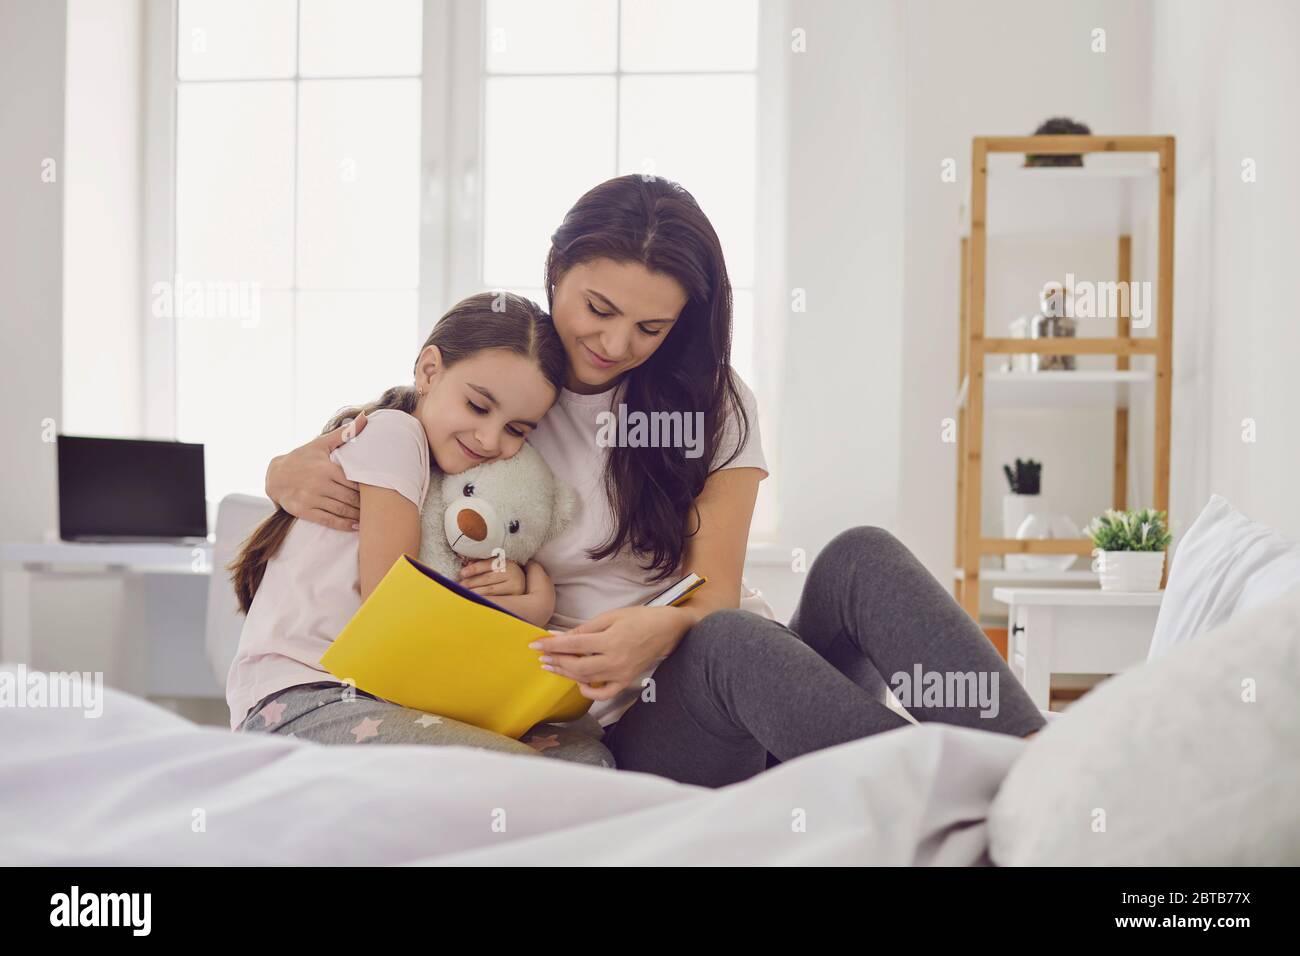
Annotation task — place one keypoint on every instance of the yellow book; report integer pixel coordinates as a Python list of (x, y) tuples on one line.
[(426, 642), (423, 641)]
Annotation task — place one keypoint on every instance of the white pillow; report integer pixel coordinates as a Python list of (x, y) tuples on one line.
[(1170, 759), (1223, 565)]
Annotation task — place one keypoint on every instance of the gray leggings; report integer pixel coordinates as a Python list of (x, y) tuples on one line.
[(741, 692)]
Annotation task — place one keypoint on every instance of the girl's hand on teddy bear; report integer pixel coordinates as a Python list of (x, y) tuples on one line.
[(480, 578)]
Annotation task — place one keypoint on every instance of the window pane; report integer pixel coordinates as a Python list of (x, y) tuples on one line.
[(687, 35), (234, 392), (234, 182), (559, 36), (236, 39), (350, 347), (699, 131), (532, 175), (360, 38), (359, 184)]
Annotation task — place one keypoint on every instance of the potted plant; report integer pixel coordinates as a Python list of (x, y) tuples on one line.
[(1129, 549)]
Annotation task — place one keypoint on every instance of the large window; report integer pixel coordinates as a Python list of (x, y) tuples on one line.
[(574, 92), (328, 176), (579, 91), (296, 242)]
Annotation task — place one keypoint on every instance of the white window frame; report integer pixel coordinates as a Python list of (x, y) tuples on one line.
[(158, 341)]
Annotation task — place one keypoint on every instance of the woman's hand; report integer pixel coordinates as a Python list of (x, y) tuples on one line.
[(609, 652), (308, 485), (481, 578)]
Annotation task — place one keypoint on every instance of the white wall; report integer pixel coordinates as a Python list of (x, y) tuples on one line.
[(68, 261), (839, 452), (31, 259), (1226, 82), (986, 69)]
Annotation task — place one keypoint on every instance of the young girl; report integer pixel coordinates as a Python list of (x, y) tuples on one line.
[(483, 380)]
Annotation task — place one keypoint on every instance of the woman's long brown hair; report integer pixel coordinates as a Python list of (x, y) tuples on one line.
[(489, 320), (658, 224)]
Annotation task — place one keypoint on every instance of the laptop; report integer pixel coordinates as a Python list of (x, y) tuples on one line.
[(117, 489)]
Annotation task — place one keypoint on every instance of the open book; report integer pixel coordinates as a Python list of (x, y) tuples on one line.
[(426, 642)]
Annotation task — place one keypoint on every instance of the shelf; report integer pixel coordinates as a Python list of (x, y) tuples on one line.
[(1081, 388), (1097, 199), (1002, 575), (1122, 194), (1077, 597)]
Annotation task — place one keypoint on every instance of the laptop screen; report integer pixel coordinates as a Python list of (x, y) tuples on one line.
[(129, 488)]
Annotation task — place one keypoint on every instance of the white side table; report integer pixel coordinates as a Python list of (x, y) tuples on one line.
[(1075, 631)]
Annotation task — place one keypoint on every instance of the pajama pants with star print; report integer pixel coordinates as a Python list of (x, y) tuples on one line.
[(331, 713)]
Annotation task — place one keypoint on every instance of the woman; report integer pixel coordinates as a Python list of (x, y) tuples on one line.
[(710, 692)]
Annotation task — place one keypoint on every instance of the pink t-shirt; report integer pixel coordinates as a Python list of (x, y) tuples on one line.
[(567, 439), (311, 587)]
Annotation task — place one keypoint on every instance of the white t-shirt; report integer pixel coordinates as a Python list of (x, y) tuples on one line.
[(311, 587), (567, 440)]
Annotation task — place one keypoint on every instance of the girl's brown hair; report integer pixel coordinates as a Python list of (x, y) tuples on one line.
[(489, 320)]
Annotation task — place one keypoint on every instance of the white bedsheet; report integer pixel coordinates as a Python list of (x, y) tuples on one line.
[(129, 788)]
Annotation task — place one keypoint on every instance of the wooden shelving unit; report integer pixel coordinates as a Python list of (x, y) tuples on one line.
[(1096, 199)]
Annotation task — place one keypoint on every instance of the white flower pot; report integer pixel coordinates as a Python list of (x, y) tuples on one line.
[(1129, 570)]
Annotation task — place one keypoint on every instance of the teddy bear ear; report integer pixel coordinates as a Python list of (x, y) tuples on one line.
[(564, 506)]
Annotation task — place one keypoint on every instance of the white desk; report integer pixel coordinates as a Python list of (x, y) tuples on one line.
[(166, 599), (1075, 631)]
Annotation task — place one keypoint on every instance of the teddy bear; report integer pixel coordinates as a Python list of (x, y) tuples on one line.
[(508, 507)]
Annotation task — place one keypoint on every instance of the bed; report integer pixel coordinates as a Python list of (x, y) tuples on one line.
[(140, 785), (1184, 767)]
